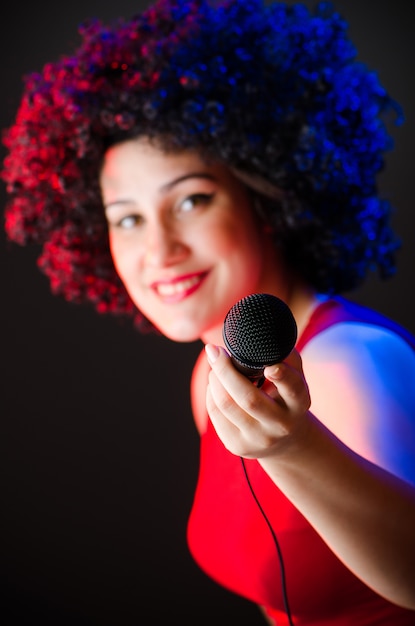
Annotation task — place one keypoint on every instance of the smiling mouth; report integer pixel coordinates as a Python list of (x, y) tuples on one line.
[(179, 288)]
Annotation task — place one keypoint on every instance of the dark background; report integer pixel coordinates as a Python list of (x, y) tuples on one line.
[(98, 450)]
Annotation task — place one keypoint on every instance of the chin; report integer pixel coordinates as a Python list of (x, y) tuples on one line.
[(183, 338), (182, 334)]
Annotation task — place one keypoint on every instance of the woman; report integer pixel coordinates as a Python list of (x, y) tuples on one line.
[(197, 154)]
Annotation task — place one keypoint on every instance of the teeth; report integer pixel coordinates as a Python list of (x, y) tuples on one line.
[(171, 289)]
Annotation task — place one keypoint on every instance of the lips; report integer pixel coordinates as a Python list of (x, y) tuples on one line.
[(179, 288)]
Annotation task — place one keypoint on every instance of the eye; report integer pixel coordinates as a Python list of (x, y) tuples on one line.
[(194, 201), (127, 222)]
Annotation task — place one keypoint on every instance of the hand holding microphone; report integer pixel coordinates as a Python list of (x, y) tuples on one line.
[(258, 331)]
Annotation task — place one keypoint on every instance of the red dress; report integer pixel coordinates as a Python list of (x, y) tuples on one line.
[(230, 540)]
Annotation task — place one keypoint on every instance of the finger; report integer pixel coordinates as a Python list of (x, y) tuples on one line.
[(289, 381), (236, 397), (225, 428), (230, 400), (240, 429)]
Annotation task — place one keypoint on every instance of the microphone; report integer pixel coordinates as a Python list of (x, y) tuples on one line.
[(259, 330)]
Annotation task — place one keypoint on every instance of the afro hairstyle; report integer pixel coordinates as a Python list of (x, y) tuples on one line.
[(274, 92)]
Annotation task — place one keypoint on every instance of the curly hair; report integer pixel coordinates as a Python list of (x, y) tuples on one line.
[(274, 92)]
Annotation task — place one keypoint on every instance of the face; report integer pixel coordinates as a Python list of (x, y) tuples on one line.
[(183, 237)]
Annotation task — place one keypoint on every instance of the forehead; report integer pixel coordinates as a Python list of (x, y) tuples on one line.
[(142, 156), (138, 164)]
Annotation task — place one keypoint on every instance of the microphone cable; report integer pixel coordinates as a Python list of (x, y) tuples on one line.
[(260, 330), (277, 545)]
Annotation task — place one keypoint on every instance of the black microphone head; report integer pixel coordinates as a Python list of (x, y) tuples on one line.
[(259, 330)]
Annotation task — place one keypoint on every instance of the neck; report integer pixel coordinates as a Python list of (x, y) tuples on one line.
[(302, 302)]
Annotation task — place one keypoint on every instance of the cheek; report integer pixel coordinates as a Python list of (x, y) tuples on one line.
[(240, 241), (115, 253), (123, 257)]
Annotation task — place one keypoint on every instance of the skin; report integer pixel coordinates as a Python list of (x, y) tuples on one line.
[(187, 245), (185, 241)]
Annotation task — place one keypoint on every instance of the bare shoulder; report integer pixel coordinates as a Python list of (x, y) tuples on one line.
[(198, 387), (362, 386), (359, 340)]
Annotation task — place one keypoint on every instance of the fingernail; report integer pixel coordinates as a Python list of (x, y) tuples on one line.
[(212, 352), (275, 373)]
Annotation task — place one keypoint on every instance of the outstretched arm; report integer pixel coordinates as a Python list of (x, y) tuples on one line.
[(363, 512)]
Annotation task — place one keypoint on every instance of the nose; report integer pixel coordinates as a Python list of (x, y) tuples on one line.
[(163, 246)]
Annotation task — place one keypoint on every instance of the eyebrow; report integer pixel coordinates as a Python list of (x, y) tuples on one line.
[(180, 179), (167, 186)]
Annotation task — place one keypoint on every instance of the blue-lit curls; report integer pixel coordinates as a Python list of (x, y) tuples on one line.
[(273, 91)]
